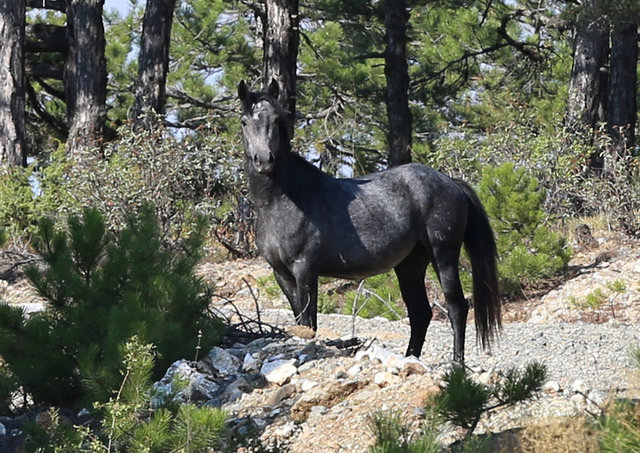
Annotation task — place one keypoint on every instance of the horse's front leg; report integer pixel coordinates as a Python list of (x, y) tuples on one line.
[(300, 285), (306, 294), (287, 283)]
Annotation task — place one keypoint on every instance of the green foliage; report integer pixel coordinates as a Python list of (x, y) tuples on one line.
[(178, 177), (619, 428), (101, 289), (27, 194), (518, 385), (392, 435), (129, 421), (528, 250), (378, 296), (463, 401)]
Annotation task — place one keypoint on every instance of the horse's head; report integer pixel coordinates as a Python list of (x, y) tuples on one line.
[(263, 127)]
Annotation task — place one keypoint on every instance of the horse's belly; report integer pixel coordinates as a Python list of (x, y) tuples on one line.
[(362, 261)]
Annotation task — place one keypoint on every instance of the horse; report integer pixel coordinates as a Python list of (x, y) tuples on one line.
[(310, 224)]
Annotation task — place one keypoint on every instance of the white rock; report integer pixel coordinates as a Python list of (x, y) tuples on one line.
[(579, 386), (223, 363), (279, 371), (385, 378), (551, 387), (284, 431), (307, 384), (251, 364), (354, 370)]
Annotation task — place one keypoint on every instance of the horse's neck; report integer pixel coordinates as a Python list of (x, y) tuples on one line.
[(286, 181)]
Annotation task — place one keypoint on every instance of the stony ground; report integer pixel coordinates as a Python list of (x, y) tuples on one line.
[(581, 326)]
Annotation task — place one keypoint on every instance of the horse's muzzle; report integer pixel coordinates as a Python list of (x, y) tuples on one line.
[(264, 166)]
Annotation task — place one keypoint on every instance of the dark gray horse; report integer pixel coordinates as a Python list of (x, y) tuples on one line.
[(311, 224)]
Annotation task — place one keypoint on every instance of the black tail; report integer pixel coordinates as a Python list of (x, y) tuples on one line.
[(480, 244)]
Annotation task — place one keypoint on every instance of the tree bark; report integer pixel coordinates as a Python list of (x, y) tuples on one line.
[(396, 71), (85, 75), (153, 62), (588, 75), (12, 88), (281, 41), (622, 88)]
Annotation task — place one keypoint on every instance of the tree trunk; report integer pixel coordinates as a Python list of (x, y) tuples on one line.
[(153, 61), (280, 58), (586, 88), (397, 75), (85, 75), (12, 88), (622, 88)]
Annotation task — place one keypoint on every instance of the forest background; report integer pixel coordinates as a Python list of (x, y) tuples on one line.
[(461, 85)]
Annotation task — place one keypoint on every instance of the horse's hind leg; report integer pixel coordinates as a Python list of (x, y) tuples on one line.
[(446, 264), (410, 273)]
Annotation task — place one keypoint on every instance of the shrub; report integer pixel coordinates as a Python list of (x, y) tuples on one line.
[(28, 194), (181, 177), (101, 289), (378, 296), (129, 421), (528, 250), (463, 401), (392, 435)]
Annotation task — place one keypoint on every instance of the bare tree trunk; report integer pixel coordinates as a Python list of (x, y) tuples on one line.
[(85, 75), (153, 61), (280, 58), (586, 88), (12, 86), (623, 88), (396, 71)]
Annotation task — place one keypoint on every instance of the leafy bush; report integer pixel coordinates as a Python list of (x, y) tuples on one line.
[(28, 194), (463, 401), (378, 296), (180, 177), (129, 421), (528, 250), (392, 435), (101, 289)]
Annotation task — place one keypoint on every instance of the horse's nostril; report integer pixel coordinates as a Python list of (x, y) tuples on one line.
[(271, 159), (255, 158)]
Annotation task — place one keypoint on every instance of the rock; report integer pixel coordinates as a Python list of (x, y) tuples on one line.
[(279, 371), (307, 384), (551, 387), (354, 370), (326, 395), (385, 378), (412, 367), (251, 363), (199, 387), (223, 363), (281, 394), (579, 386), (302, 332), (285, 431)]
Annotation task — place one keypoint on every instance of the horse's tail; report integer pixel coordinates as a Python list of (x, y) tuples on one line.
[(480, 244)]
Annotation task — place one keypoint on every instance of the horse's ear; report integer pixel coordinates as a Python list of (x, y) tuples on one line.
[(243, 91), (274, 88)]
